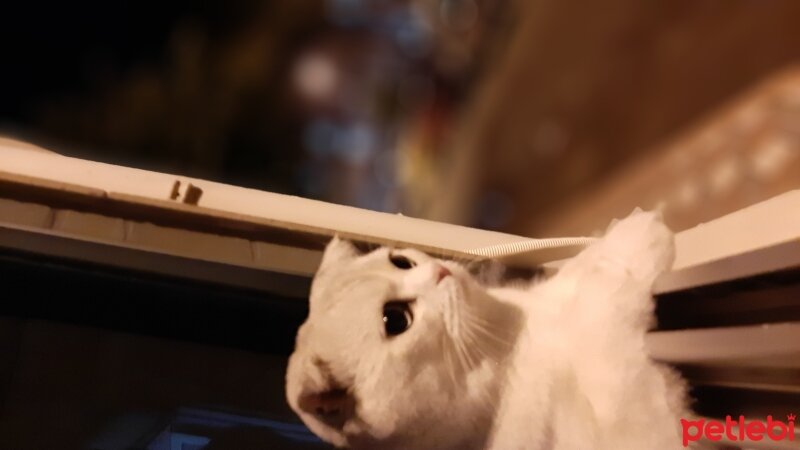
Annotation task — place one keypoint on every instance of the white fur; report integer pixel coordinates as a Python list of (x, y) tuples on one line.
[(558, 365)]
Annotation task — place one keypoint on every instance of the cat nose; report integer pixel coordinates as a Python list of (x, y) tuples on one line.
[(332, 406), (441, 272)]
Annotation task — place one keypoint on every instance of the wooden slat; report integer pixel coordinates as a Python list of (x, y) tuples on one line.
[(125, 256), (226, 209), (769, 345), (767, 298)]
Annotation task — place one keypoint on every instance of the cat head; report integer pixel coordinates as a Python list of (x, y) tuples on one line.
[(400, 350)]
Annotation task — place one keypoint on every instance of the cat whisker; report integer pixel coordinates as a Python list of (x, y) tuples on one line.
[(449, 363), (486, 333)]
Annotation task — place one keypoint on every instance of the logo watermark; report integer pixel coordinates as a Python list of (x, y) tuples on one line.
[(738, 430)]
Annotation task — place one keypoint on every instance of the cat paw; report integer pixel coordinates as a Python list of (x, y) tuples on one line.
[(642, 243)]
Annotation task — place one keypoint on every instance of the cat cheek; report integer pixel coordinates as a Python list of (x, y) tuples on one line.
[(410, 286), (417, 277)]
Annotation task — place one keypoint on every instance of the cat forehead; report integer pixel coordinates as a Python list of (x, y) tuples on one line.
[(352, 284), (366, 275), (356, 266)]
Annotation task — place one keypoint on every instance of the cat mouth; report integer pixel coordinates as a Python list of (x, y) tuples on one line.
[(331, 407)]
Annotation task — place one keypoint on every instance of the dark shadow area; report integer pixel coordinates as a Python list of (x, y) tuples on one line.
[(112, 360)]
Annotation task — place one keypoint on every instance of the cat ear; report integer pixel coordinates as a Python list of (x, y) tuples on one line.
[(337, 251)]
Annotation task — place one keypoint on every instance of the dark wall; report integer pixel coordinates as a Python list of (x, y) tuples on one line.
[(89, 355)]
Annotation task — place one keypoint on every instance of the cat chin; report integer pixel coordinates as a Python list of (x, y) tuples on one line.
[(352, 436)]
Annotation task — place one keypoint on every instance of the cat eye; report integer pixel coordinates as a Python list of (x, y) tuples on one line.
[(401, 262), (397, 317)]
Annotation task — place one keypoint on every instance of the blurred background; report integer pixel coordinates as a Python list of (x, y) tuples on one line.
[(538, 117)]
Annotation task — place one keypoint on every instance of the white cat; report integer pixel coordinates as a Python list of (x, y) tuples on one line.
[(404, 351)]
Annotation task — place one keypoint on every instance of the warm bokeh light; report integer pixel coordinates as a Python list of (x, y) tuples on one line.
[(538, 119)]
